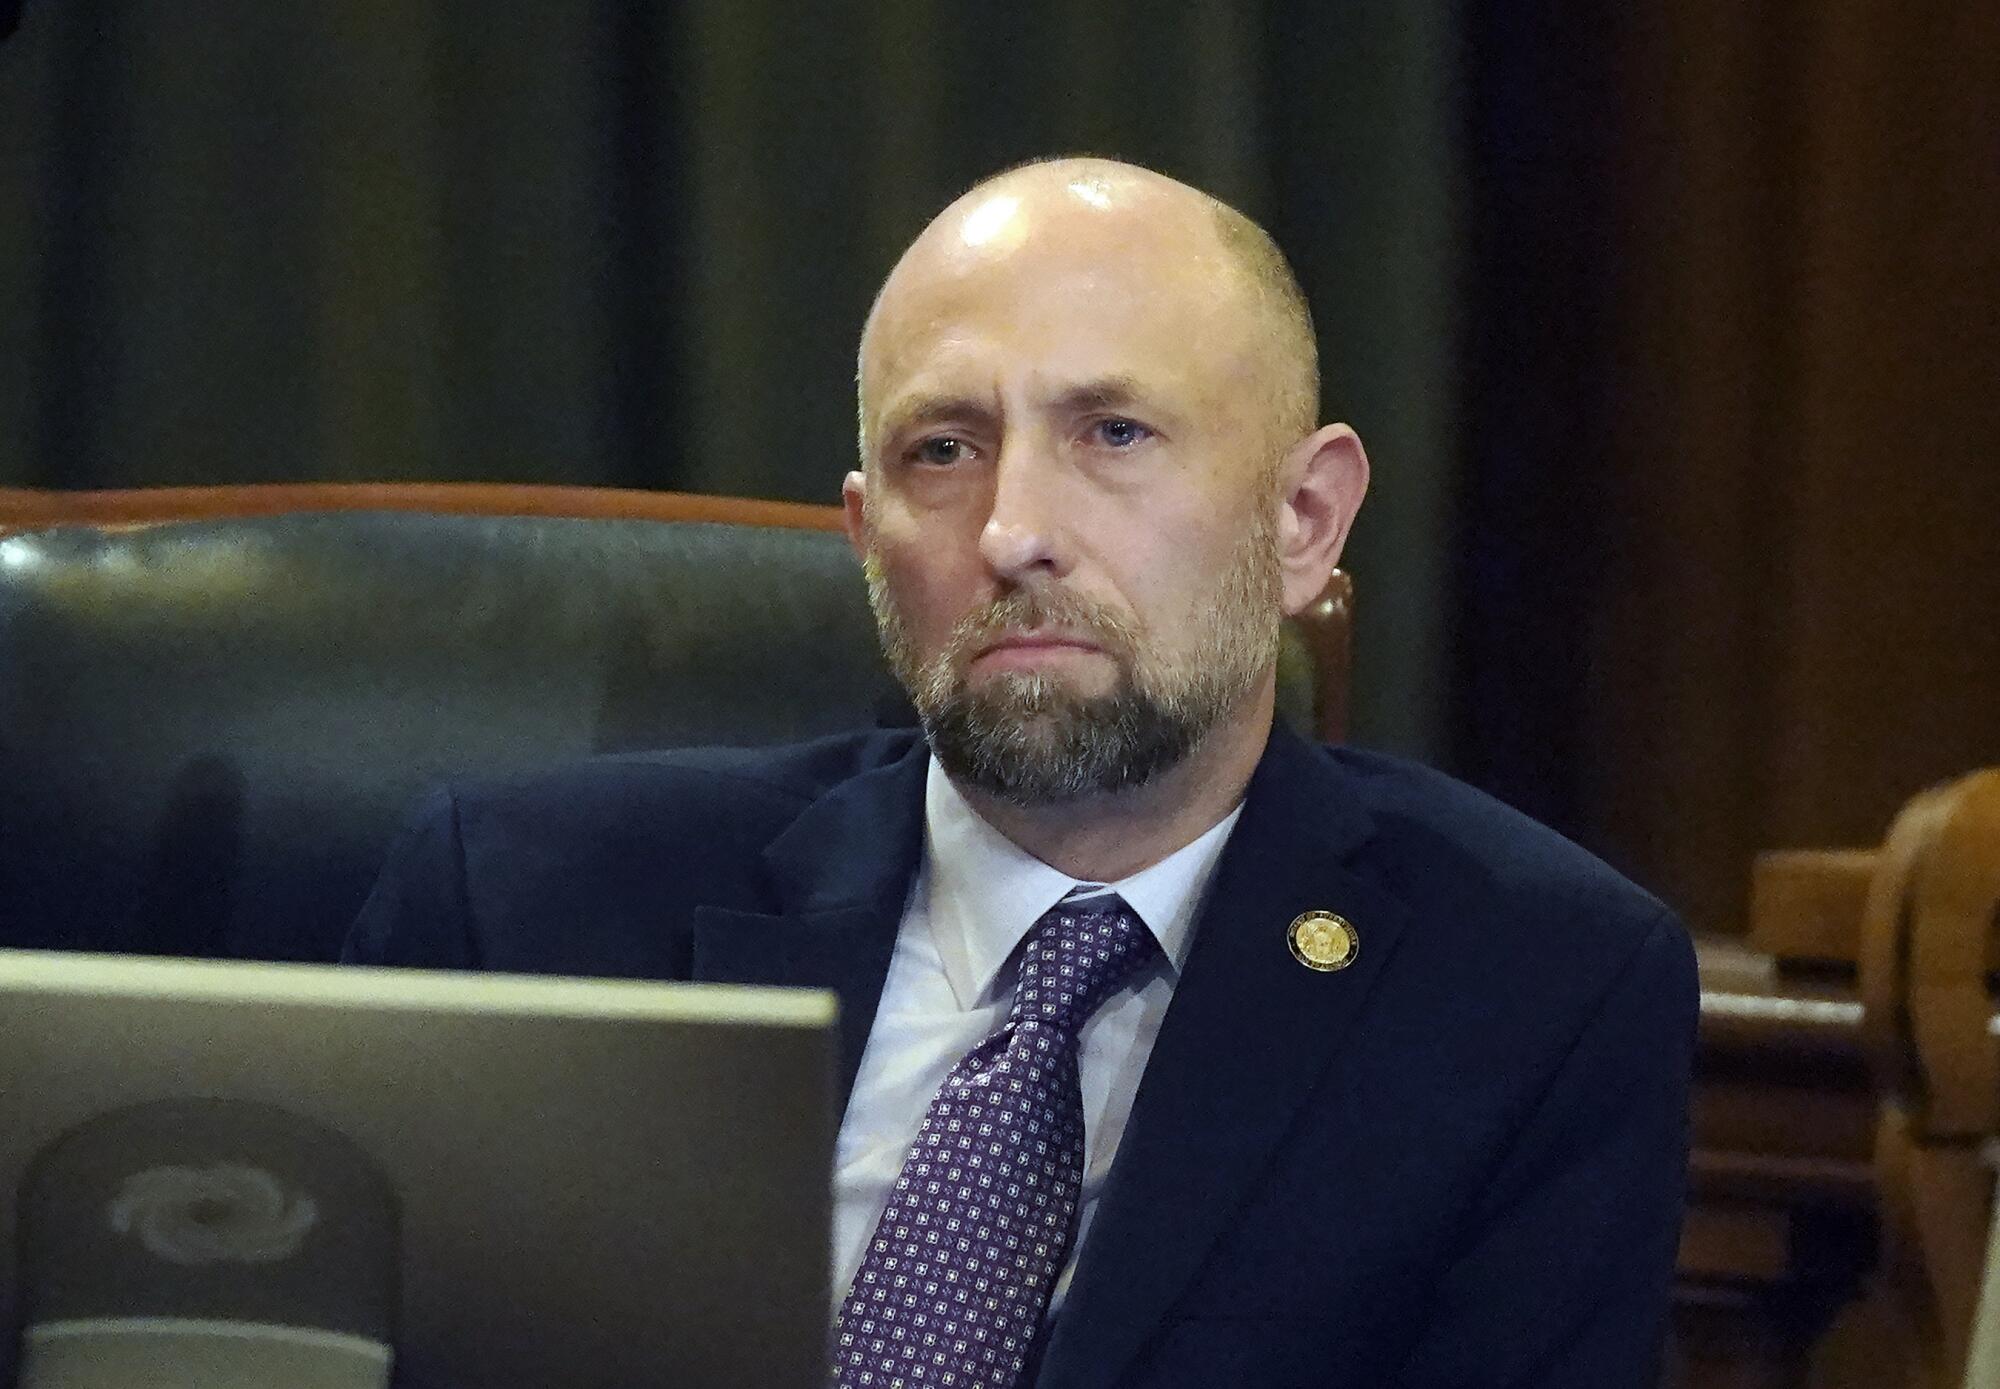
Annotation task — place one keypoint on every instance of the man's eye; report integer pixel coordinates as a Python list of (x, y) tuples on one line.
[(1120, 434), (941, 451)]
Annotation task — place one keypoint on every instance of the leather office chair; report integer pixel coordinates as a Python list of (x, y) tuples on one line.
[(217, 703)]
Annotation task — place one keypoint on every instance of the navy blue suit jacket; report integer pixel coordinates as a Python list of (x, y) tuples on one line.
[(1458, 1162)]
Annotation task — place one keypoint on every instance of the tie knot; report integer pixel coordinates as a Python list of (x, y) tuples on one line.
[(1081, 952)]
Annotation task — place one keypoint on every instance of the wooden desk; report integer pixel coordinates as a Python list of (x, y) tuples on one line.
[(1781, 1226), (1847, 1090)]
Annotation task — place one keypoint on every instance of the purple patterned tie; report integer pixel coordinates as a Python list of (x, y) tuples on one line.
[(956, 1279)]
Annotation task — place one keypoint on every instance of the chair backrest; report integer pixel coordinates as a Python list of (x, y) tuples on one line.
[(216, 704)]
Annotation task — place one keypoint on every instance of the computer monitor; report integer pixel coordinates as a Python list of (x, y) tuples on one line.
[(280, 1173)]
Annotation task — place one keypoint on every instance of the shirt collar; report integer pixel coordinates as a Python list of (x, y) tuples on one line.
[(984, 892)]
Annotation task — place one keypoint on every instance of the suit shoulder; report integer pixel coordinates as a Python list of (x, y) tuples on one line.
[(1518, 940), (708, 792), (1437, 836)]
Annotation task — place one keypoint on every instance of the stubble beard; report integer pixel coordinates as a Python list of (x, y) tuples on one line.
[(1031, 739)]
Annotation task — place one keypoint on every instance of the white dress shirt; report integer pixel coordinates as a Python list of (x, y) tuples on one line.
[(950, 986)]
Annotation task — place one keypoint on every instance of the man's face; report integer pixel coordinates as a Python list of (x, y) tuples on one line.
[(1069, 504)]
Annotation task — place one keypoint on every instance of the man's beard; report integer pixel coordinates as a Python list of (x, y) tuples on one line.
[(1027, 738)]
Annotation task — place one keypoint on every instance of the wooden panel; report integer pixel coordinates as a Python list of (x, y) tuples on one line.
[(1888, 644), (1676, 704), (1795, 630)]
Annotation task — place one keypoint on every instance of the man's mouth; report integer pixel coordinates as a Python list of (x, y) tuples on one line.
[(1030, 648)]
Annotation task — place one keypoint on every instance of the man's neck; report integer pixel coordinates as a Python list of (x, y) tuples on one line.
[(1114, 834)]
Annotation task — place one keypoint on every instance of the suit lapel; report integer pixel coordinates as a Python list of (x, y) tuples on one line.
[(1248, 1035), (840, 874)]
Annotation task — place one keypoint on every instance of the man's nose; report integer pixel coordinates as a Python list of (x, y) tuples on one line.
[(1024, 532)]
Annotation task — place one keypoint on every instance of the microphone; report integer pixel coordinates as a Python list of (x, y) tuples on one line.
[(214, 1242)]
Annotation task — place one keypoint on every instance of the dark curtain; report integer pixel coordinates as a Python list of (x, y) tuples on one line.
[(614, 243), (1544, 139)]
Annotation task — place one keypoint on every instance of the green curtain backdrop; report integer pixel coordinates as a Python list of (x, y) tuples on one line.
[(250, 240)]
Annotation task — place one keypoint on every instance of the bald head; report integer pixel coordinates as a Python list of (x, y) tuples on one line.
[(1088, 219), (1091, 485)]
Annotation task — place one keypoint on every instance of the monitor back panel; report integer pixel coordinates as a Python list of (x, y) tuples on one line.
[(591, 1182)]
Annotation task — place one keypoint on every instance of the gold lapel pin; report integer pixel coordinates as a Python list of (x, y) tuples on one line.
[(1323, 941)]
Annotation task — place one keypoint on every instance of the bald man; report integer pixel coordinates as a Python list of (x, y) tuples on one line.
[(1179, 1051)]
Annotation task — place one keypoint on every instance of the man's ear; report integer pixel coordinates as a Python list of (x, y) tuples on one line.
[(1321, 481), (853, 498)]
